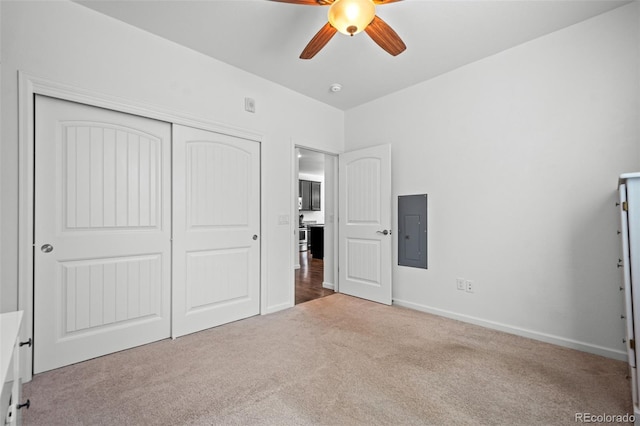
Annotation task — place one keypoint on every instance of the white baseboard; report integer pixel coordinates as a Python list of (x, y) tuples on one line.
[(277, 308), (543, 337), (330, 286)]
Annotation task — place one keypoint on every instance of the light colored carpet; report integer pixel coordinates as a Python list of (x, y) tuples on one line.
[(337, 360)]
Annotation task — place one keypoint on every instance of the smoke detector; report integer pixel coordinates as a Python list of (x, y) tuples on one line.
[(335, 87)]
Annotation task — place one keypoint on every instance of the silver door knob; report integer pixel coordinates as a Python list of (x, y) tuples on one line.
[(46, 248), (255, 237), (383, 232)]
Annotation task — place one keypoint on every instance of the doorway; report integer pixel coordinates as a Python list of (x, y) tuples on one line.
[(314, 253)]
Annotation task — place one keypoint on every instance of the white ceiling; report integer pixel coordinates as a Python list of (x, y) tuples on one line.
[(265, 38)]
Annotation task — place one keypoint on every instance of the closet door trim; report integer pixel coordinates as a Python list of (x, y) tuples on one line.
[(28, 87)]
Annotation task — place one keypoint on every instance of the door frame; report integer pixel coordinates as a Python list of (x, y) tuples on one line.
[(28, 86), (294, 217)]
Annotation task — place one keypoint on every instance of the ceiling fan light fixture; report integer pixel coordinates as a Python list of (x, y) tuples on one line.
[(351, 16)]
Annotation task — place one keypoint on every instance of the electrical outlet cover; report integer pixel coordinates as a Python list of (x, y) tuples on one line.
[(469, 286), (460, 283)]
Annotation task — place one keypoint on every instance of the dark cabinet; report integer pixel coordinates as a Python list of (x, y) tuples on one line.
[(304, 191), (316, 239), (315, 196), (309, 191)]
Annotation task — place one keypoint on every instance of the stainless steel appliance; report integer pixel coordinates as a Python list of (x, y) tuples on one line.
[(303, 233)]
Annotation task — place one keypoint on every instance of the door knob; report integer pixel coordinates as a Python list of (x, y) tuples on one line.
[(47, 248), (255, 237), (384, 232)]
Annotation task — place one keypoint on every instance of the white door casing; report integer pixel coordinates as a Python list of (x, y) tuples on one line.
[(216, 229), (365, 223), (102, 202)]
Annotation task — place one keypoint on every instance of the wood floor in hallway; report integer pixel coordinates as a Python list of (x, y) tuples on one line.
[(309, 279)]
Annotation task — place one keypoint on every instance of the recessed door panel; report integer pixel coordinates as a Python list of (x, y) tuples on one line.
[(363, 264), (226, 266), (110, 177), (363, 190), (98, 293), (217, 187)]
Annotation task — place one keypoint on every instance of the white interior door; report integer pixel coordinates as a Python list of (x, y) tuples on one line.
[(216, 228), (102, 232), (365, 223)]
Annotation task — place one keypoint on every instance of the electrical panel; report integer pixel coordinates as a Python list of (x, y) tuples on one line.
[(412, 230)]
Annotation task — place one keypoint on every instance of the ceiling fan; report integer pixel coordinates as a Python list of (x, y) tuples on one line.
[(351, 17)]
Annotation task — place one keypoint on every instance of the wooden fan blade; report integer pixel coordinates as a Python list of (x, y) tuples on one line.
[(318, 41), (385, 36), (385, 1), (309, 2)]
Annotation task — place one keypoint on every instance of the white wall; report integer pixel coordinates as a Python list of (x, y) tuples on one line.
[(519, 154), (70, 44), (1, 144)]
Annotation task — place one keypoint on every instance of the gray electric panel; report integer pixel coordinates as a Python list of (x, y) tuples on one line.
[(412, 230)]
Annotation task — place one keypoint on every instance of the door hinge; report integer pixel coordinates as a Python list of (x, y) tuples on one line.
[(632, 344), (625, 206)]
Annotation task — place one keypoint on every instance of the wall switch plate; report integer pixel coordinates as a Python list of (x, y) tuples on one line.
[(460, 284), (470, 286), (249, 104), (283, 219)]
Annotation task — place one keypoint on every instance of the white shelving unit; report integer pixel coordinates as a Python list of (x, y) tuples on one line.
[(629, 193)]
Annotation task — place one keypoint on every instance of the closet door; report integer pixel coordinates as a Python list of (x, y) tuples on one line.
[(216, 229), (102, 232)]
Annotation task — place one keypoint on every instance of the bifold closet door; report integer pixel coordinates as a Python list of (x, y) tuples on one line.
[(216, 229), (102, 232)]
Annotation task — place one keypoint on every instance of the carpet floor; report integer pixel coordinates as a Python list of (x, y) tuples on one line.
[(338, 360)]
